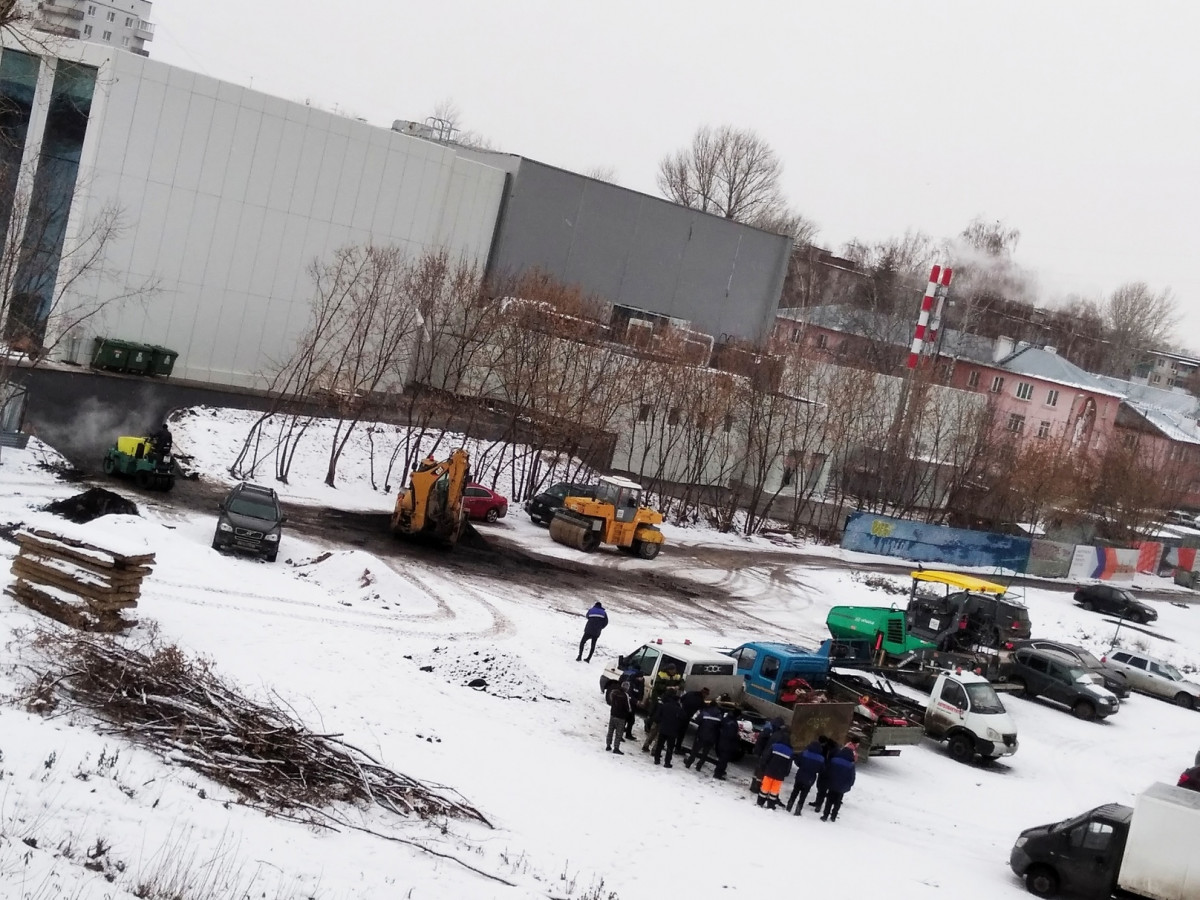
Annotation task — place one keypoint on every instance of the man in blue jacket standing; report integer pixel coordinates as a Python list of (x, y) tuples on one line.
[(808, 766), (597, 621), (841, 779)]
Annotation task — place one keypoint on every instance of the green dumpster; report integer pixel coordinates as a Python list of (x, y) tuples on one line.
[(140, 357), (110, 354), (162, 360)]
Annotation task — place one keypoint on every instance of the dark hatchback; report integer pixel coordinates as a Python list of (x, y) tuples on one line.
[(1115, 601), (250, 521), (543, 506)]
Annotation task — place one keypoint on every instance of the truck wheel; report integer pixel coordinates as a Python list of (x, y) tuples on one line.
[(1084, 709), (142, 479), (1087, 604), (1184, 700), (109, 465), (1041, 881), (962, 748), (1020, 687)]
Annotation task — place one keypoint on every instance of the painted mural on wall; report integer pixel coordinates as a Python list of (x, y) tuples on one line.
[(1104, 564), (871, 533)]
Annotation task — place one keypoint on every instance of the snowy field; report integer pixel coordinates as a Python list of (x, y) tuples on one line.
[(383, 650)]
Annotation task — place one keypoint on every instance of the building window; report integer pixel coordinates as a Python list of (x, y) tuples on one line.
[(997, 384), (673, 416), (112, 16), (108, 35), (1024, 391), (128, 22), (1016, 423), (822, 341), (1052, 398), (1130, 440), (728, 423), (643, 412), (796, 335), (1044, 430), (1155, 379), (973, 379), (87, 30), (124, 42), (91, 10)]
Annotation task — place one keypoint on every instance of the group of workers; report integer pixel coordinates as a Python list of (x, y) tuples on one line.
[(669, 710)]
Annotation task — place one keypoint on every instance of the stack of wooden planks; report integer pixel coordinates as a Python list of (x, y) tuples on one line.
[(76, 582)]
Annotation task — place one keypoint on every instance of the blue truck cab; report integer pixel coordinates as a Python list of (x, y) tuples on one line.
[(770, 669)]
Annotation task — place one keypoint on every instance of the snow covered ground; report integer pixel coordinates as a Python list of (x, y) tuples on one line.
[(469, 679)]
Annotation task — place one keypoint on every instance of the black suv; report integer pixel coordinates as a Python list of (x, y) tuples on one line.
[(542, 507), (250, 522), (1043, 673), (964, 620), (1115, 601), (1113, 680)]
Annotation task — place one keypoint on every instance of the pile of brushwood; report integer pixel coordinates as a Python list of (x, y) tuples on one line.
[(160, 698)]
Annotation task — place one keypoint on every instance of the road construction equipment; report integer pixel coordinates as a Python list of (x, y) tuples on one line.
[(614, 516), (139, 459), (432, 504)]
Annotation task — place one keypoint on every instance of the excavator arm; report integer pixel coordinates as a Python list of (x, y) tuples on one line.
[(432, 504)]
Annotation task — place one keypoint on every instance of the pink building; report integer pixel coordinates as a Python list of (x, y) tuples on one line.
[(1041, 396)]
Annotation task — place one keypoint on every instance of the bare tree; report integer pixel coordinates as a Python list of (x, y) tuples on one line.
[(602, 173), (727, 171), (1138, 319)]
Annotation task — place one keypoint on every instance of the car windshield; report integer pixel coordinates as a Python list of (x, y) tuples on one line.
[(252, 507), (1088, 659), (984, 700)]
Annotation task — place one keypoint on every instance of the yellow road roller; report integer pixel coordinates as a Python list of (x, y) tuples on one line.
[(614, 516)]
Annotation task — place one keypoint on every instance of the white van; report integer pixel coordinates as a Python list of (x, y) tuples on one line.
[(700, 667)]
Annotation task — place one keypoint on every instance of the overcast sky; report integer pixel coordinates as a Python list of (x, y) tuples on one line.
[(1076, 122)]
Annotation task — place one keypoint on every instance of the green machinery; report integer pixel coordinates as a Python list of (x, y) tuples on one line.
[(136, 458)]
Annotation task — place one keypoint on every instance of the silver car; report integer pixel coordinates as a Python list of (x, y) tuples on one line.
[(1155, 677)]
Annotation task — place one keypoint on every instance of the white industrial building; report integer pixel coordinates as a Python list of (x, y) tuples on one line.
[(117, 23), (226, 196)]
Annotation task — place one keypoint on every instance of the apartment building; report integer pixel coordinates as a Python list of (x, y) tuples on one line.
[(117, 23)]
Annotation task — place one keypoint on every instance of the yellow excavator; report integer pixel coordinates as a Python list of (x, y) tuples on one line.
[(614, 516), (432, 504)]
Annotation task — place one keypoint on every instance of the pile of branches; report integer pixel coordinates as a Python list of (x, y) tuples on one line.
[(176, 705)]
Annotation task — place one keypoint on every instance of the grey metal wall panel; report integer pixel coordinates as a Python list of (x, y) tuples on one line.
[(642, 251)]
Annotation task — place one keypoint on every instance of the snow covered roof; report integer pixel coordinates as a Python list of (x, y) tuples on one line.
[(1047, 366)]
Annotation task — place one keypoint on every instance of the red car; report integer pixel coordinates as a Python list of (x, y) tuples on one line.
[(484, 503)]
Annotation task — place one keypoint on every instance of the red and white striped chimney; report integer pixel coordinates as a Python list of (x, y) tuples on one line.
[(938, 277)]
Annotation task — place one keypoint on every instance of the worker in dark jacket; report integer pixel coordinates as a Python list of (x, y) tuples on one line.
[(670, 721), (776, 771), (728, 738), (692, 703), (161, 441), (618, 709), (706, 735), (841, 779), (828, 748), (808, 766), (633, 677), (597, 621), (666, 679)]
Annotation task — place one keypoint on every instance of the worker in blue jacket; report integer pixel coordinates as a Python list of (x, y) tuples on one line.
[(776, 770), (841, 779), (808, 766), (707, 730), (597, 621)]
